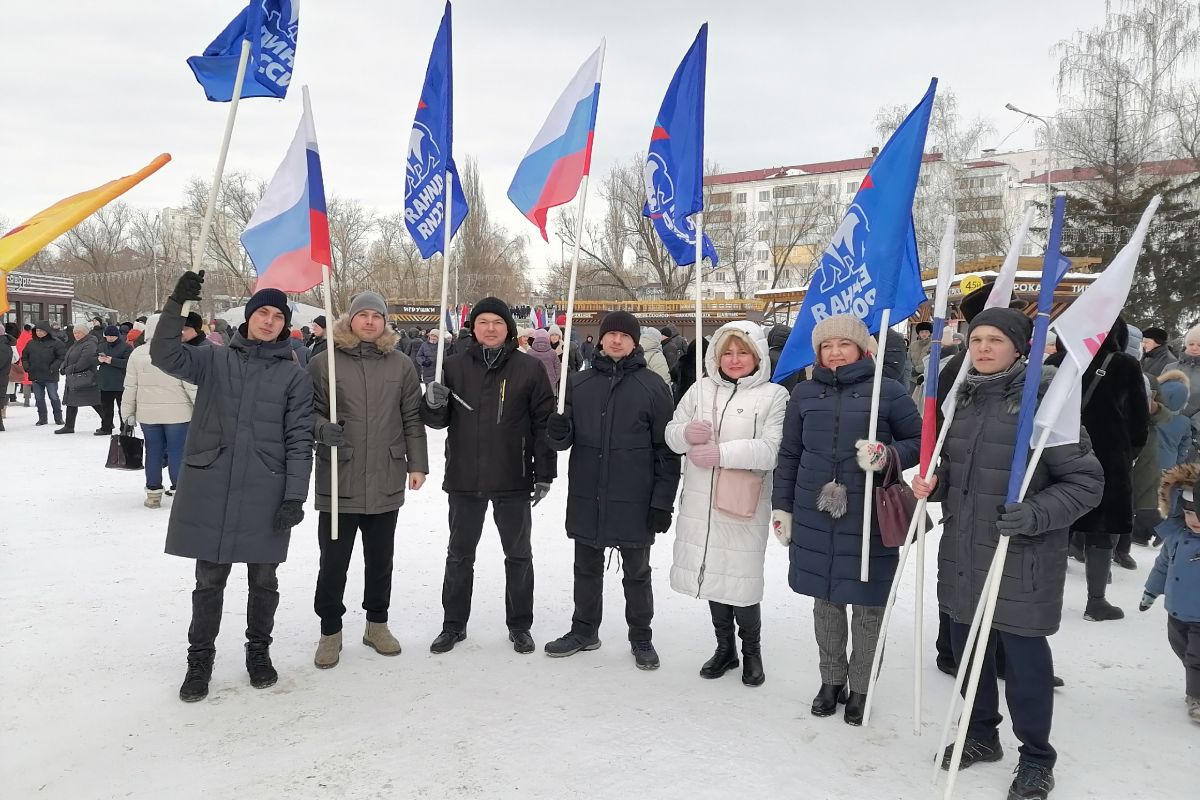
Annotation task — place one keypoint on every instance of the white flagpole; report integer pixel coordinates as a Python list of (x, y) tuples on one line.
[(885, 319), (699, 317), (209, 213), (333, 414), (566, 342), (447, 221), (583, 187)]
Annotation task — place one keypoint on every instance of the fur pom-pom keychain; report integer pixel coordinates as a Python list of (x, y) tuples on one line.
[(833, 500)]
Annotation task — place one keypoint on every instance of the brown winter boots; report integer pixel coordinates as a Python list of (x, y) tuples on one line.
[(380, 639), (328, 651)]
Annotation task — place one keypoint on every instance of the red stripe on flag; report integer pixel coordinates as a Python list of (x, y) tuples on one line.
[(319, 226), (659, 132), (928, 433)]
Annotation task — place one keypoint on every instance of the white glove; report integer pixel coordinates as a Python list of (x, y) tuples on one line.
[(781, 526), (871, 455), (131, 421)]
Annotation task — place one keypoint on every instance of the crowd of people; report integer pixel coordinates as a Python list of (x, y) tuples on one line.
[(723, 459)]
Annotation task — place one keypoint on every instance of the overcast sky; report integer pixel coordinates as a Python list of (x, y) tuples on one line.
[(92, 90)]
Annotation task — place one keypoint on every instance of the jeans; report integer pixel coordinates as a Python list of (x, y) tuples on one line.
[(589, 591), (1028, 688), (379, 541), (40, 390), (163, 440), (513, 520), (208, 598)]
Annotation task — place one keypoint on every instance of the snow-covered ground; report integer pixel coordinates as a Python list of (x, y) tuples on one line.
[(94, 635)]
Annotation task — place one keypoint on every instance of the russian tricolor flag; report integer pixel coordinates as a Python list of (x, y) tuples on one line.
[(288, 236), (561, 154)]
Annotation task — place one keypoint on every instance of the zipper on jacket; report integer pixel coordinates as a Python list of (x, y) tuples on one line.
[(837, 465), (712, 485), (500, 406)]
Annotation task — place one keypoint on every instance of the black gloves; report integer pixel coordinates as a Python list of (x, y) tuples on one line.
[(188, 287), (331, 434), (540, 490), (436, 395), (558, 427), (1017, 519), (659, 520), (289, 515)]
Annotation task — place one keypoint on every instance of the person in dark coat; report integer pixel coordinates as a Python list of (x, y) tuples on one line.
[(381, 450), (622, 480), (1117, 417), (776, 338), (819, 488), (1157, 357), (246, 466), (971, 483), (97, 329), (687, 367), (588, 351), (42, 359), (83, 387), (8, 343), (426, 357), (319, 332), (495, 401), (113, 355)]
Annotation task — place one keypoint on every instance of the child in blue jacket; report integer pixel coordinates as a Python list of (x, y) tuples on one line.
[(1176, 574)]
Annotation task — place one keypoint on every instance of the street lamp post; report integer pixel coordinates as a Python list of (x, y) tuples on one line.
[(1049, 149)]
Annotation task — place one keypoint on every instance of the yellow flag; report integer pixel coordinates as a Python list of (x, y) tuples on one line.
[(19, 244)]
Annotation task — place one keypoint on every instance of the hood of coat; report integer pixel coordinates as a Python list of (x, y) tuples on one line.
[(1116, 341), (1174, 481), (280, 348), (778, 335), (541, 342), (344, 338), (606, 366), (151, 326), (651, 340), (752, 336), (44, 327), (1174, 388)]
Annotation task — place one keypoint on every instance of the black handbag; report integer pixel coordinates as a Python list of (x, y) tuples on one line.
[(124, 450)]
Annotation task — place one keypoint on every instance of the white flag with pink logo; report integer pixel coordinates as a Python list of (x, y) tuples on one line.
[(1082, 328)]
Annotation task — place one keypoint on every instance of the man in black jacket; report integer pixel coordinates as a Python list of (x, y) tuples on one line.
[(495, 401), (623, 478), (43, 356)]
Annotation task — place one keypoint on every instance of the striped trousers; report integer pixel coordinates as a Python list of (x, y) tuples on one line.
[(832, 632)]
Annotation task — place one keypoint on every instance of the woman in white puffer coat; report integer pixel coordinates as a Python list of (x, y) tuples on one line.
[(721, 534)]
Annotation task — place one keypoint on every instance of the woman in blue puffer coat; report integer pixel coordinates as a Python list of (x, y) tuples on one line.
[(818, 502)]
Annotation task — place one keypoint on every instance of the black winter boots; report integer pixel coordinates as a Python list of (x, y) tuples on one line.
[(195, 682), (725, 657), (1097, 565), (826, 702), (258, 664), (749, 622)]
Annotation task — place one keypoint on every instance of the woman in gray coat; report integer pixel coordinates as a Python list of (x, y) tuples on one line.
[(83, 386), (971, 483)]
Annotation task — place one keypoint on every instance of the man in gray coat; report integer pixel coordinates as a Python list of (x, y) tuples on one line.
[(245, 473), (380, 445)]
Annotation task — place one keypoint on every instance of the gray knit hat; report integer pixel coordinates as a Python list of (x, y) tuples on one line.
[(843, 326), (368, 301)]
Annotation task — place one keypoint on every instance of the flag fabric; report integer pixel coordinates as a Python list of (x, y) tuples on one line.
[(872, 262), (430, 152), (1082, 328), (450, 322), (561, 154), (539, 318), (674, 170), (273, 28), (288, 236), (464, 314), (19, 244)]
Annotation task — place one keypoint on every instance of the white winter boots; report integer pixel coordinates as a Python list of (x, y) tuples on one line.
[(153, 498)]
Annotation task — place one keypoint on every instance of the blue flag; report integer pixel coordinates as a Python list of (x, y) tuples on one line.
[(872, 263), (272, 26), (430, 154), (674, 171)]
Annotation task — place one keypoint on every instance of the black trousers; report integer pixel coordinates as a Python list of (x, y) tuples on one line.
[(1185, 641), (1028, 688), (73, 412), (589, 591), (208, 598), (512, 517), (109, 400), (945, 645), (379, 540)]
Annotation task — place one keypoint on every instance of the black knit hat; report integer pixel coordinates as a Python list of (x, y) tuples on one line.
[(320, 320), (1157, 334), (112, 330), (1013, 324), (195, 321), (923, 326), (494, 305), (623, 322), (273, 298)]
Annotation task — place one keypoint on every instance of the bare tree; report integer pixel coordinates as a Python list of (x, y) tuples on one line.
[(1117, 85), (238, 197), (486, 258)]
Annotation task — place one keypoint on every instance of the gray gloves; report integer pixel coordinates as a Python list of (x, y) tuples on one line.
[(540, 490), (436, 395), (331, 434), (1017, 519)]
